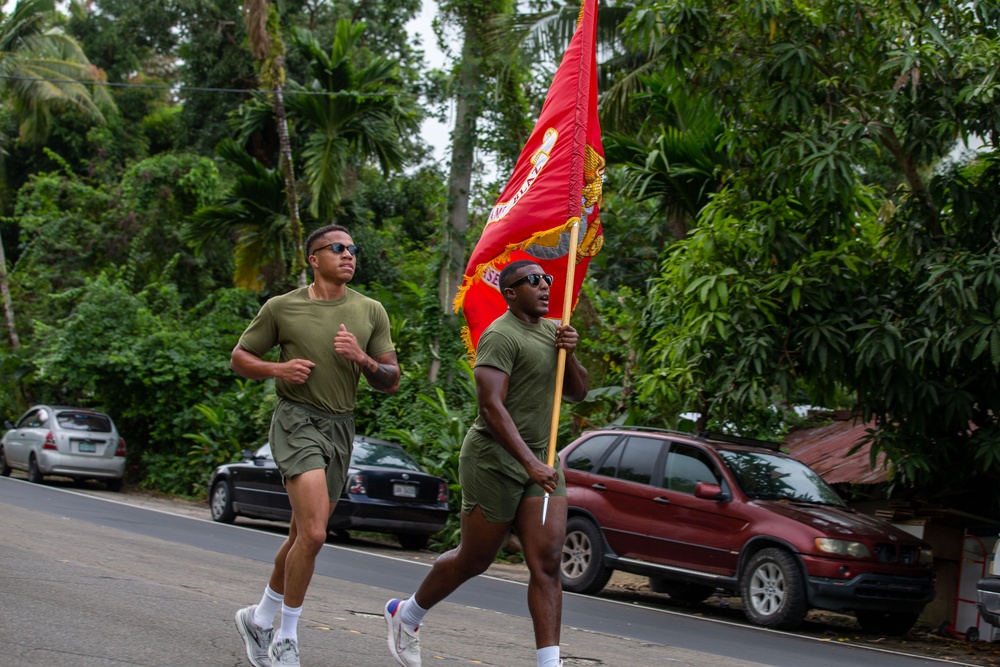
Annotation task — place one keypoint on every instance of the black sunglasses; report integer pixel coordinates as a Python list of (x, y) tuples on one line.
[(533, 279), (338, 248)]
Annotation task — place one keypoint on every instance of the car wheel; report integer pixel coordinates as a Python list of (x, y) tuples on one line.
[(413, 542), (221, 502), (885, 622), (114, 485), (34, 474), (773, 590), (681, 591), (583, 569), (4, 468)]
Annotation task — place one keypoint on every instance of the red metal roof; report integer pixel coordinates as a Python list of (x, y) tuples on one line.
[(825, 450)]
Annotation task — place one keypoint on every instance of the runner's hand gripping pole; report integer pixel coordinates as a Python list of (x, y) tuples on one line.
[(574, 233)]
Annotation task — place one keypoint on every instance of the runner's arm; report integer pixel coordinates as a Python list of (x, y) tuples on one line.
[(252, 367)]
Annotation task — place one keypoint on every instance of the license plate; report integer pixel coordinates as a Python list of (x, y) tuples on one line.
[(87, 447), (404, 490)]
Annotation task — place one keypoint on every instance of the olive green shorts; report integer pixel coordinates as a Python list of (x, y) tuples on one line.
[(305, 438), (494, 480)]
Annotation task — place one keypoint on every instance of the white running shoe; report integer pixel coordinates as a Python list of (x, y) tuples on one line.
[(284, 653), (256, 638), (403, 642)]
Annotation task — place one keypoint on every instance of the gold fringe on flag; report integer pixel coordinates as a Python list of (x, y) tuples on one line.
[(585, 249), (502, 258)]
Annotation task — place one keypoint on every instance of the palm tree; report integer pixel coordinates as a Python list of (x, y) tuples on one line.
[(43, 71), (254, 214), (675, 157), (352, 107), (346, 112)]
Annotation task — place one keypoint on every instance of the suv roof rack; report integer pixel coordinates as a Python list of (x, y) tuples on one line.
[(739, 440), (652, 429), (705, 435)]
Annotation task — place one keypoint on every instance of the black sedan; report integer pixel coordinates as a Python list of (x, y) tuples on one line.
[(386, 492)]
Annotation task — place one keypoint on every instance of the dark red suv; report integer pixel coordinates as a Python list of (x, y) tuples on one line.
[(697, 514)]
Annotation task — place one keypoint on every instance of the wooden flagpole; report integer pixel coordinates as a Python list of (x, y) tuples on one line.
[(574, 233)]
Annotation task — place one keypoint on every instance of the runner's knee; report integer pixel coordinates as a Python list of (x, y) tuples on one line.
[(545, 566), (311, 539)]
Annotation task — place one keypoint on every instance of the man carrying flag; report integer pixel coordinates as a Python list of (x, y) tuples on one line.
[(502, 467), (543, 227)]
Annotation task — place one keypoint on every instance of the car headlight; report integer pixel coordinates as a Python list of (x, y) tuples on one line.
[(843, 547), (926, 556)]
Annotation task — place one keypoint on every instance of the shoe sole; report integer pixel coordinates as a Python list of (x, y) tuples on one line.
[(248, 643)]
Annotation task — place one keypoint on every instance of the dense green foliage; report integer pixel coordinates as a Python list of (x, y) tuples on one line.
[(844, 245), (789, 216)]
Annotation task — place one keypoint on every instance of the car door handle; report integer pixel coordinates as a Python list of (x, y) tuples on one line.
[(661, 500), (598, 487)]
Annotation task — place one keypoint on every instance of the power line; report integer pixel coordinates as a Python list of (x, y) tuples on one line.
[(201, 89)]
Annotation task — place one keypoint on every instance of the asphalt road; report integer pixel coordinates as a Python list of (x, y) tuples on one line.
[(86, 581)]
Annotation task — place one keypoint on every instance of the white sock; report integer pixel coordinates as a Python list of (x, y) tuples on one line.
[(412, 614), (269, 605), (548, 656), (289, 623)]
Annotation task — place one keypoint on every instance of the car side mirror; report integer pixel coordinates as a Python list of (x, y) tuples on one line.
[(8, 424), (247, 454), (709, 491)]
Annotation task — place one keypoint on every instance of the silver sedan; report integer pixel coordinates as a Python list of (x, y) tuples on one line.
[(71, 442)]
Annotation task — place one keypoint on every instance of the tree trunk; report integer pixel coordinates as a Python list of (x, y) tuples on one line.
[(8, 305), (463, 148), (908, 166), (288, 169), (263, 33)]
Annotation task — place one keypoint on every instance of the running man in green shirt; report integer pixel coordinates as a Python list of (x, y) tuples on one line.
[(503, 466), (328, 336)]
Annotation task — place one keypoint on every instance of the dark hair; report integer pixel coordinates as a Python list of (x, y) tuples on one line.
[(511, 269), (318, 233)]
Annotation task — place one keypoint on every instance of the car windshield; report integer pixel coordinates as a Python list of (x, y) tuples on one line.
[(84, 421), (382, 456), (769, 477)]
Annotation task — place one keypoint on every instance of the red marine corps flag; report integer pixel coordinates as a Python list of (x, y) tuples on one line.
[(554, 191)]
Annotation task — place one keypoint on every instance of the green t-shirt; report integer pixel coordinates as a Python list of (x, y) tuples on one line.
[(304, 328), (527, 354)]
